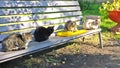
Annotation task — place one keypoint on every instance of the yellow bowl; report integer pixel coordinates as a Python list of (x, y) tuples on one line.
[(69, 33)]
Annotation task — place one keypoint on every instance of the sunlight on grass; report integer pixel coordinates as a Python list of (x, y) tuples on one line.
[(107, 24)]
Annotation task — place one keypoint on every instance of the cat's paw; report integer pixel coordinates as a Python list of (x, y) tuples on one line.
[(15, 49), (26, 47)]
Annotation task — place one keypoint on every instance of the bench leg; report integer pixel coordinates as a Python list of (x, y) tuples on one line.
[(100, 39)]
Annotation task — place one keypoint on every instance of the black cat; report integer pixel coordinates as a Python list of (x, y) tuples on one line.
[(42, 33)]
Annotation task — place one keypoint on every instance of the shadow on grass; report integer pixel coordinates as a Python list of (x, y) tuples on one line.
[(72, 61), (90, 61), (105, 29)]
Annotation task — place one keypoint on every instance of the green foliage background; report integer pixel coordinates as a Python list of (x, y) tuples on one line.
[(91, 7)]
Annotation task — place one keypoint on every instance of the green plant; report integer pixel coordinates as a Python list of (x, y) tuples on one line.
[(84, 4), (109, 6)]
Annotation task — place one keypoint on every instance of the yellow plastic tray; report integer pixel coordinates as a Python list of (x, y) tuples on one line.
[(69, 33)]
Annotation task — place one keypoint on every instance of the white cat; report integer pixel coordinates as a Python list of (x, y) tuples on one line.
[(91, 24)]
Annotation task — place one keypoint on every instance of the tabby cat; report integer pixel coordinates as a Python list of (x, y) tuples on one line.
[(42, 33), (70, 26), (16, 41)]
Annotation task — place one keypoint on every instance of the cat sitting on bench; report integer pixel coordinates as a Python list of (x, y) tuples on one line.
[(70, 26), (16, 42), (42, 33), (91, 24)]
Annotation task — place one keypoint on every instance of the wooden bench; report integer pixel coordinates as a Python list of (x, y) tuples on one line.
[(24, 16)]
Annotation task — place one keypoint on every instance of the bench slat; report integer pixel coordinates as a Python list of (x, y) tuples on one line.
[(16, 18), (36, 3), (5, 11), (43, 20), (28, 24)]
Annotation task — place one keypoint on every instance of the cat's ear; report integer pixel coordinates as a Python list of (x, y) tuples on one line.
[(52, 26), (29, 32), (96, 20), (75, 21), (23, 35), (69, 21)]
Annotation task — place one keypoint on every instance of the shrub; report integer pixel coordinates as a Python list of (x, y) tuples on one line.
[(109, 6)]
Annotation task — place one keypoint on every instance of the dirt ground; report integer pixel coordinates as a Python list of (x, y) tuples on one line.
[(75, 54)]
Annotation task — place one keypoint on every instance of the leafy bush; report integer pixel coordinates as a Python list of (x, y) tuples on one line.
[(109, 6)]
